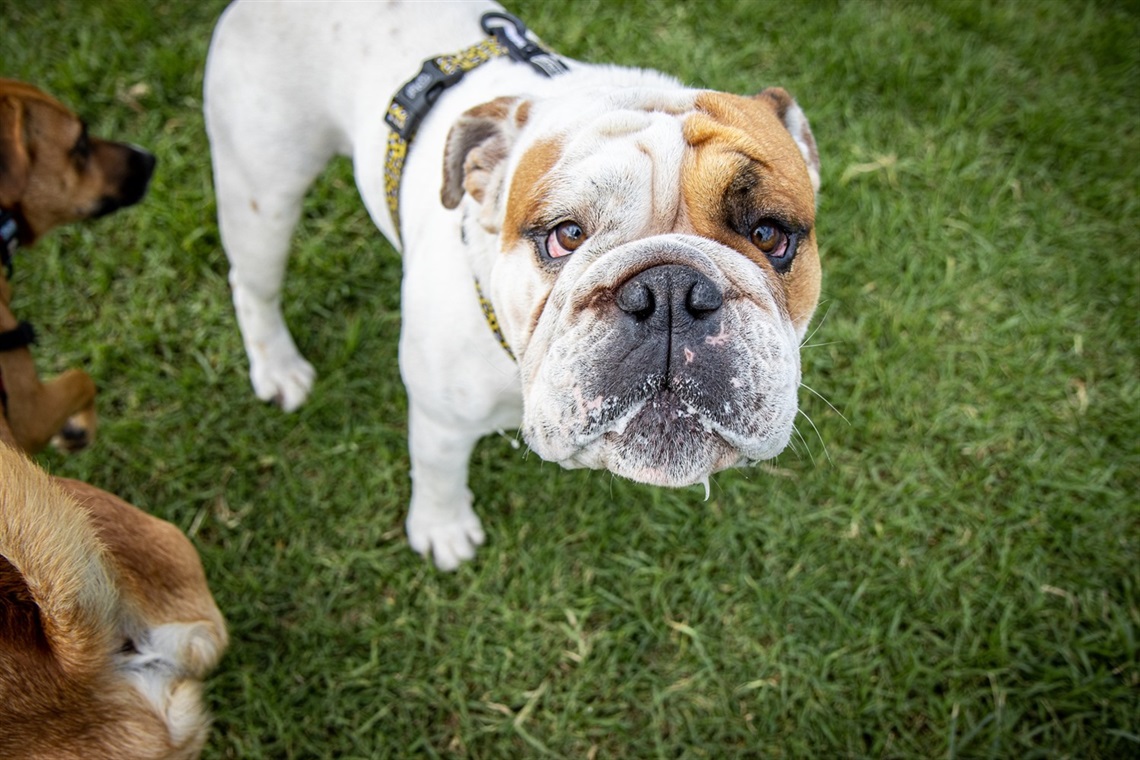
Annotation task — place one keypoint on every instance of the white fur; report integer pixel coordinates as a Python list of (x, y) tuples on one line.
[(165, 668)]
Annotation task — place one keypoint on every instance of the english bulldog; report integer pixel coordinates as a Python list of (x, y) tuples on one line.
[(620, 265)]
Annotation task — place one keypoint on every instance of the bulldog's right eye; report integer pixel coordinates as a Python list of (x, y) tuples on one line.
[(564, 239), (775, 243)]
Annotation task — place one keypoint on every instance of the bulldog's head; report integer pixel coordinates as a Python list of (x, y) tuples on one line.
[(651, 256)]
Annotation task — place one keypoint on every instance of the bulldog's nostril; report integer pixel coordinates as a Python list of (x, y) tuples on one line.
[(636, 299), (704, 297), (671, 295)]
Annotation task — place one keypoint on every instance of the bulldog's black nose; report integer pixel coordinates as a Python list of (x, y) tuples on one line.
[(669, 297)]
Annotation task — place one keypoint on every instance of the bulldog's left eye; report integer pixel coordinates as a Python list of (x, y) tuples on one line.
[(564, 239), (770, 239), (773, 242)]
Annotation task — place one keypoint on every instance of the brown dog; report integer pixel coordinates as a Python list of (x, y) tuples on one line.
[(51, 172), (106, 624)]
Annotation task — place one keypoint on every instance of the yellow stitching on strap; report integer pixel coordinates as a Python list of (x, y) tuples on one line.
[(464, 60), (393, 168), (398, 151), (492, 319)]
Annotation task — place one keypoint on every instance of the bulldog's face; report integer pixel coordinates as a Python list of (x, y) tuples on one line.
[(652, 260)]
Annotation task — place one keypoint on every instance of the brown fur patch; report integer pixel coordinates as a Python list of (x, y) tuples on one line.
[(740, 146), (51, 171), (529, 187), (35, 410)]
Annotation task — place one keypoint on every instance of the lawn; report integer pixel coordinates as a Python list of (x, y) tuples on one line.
[(946, 563)]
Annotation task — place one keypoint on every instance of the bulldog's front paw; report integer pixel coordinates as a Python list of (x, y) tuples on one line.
[(277, 370), (284, 378), (450, 537)]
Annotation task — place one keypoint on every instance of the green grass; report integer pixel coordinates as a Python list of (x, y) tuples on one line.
[(945, 565)]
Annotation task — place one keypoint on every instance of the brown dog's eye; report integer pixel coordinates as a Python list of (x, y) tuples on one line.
[(82, 148), (564, 239), (771, 240)]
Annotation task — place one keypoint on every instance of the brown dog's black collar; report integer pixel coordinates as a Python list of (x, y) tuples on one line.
[(9, 239), (22, 336)]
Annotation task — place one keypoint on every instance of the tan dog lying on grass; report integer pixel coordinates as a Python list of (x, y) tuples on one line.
[(51, 172), (106, 624)]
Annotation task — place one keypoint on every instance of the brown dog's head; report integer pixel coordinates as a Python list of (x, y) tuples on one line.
[(53, 172)]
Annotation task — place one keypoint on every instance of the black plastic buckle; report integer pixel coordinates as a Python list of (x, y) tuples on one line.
[(416, 97), (21, 337), (511, 34)]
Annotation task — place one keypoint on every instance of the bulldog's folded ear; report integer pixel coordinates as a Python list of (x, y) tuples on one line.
[(477, 144), (796, 123), (14, 162)]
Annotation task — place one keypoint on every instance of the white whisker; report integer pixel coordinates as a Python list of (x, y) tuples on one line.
[(819, 325), (821, 397), (822, 442), (807, 448)]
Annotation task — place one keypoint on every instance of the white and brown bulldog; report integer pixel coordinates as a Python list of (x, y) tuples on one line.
[(621, 265)]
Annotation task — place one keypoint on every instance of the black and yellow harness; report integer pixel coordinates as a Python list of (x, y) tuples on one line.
[(506, 37)]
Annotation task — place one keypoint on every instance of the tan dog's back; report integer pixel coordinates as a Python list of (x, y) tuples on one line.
[(106, 624)]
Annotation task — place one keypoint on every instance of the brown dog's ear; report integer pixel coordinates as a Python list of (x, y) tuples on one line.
[(23, 630), (784, 105), (476, 146), (57, 597), (13, 153)]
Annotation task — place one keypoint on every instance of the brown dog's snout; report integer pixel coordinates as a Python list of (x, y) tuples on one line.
[(137, 169)]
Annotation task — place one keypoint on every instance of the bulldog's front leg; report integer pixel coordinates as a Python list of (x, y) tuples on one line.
[(277, 370), (441, 521)]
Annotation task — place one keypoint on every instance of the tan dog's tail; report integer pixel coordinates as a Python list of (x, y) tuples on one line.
[(57, 599)]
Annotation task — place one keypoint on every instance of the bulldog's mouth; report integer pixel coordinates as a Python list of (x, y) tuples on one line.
[(661, 440)]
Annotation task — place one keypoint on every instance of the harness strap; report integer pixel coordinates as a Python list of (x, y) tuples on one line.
[(492, 319), (23, 334), (415, 99), (507, 36)]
